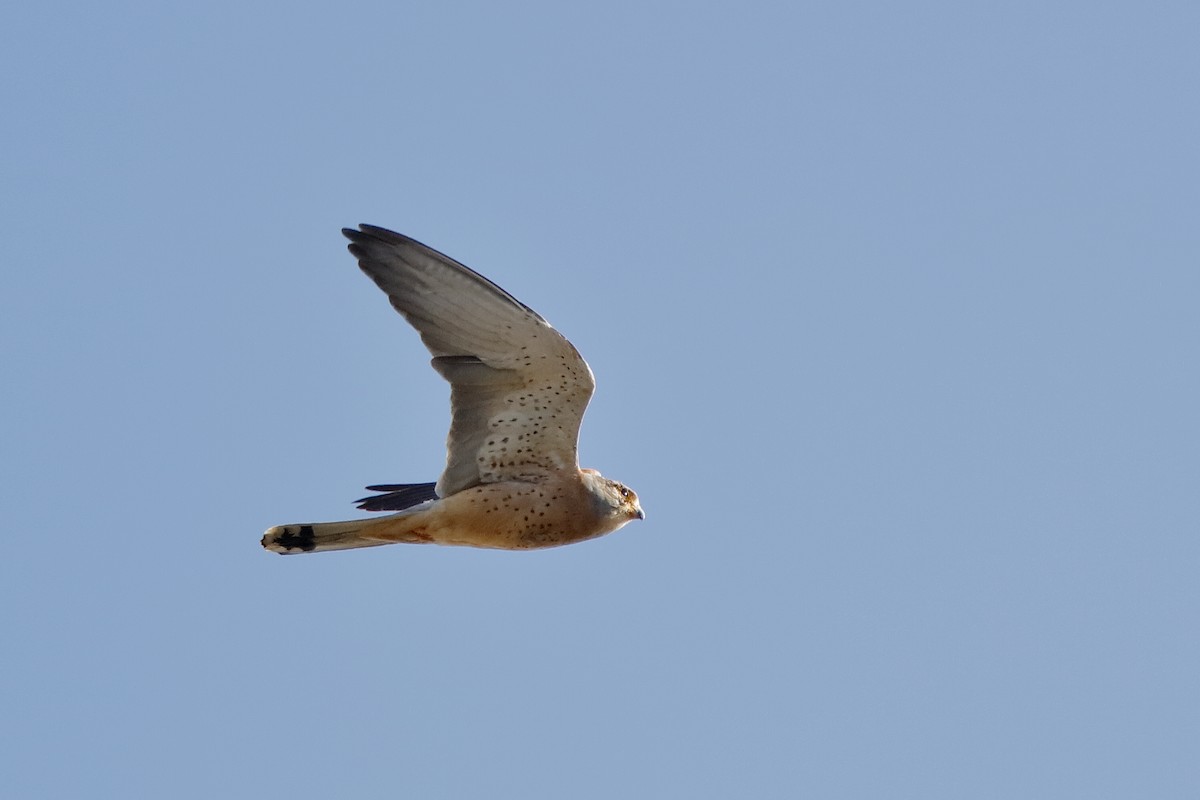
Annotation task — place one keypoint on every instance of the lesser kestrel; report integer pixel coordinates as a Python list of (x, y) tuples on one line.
[(518, 391)]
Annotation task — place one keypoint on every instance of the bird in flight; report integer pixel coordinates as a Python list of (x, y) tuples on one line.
[(518, 392)]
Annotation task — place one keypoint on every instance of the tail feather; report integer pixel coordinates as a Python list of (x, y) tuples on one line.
[(319, 537)]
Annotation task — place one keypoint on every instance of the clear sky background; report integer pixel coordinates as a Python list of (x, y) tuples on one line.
[(893, 309)]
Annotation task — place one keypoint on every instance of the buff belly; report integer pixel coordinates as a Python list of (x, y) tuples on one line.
[(505, 516)]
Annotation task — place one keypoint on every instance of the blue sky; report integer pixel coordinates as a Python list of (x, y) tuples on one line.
[(893, 312)]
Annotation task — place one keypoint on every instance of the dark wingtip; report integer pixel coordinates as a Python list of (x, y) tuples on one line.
[(398, 497), (366, 234), (355, 236), (365, 231)]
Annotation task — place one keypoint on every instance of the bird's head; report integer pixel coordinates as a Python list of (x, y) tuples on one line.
[(615, 501)]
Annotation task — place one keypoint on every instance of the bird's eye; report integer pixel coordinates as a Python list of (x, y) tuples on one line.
[(624, 493)]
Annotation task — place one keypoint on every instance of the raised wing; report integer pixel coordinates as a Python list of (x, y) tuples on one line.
[(518, 387)]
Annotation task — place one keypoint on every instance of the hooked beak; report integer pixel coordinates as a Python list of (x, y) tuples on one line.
[(641, 514)]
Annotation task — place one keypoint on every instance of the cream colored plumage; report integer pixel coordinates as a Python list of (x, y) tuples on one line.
[(518, 392)]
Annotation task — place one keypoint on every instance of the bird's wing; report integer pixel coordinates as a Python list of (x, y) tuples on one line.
[(518, 387)]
